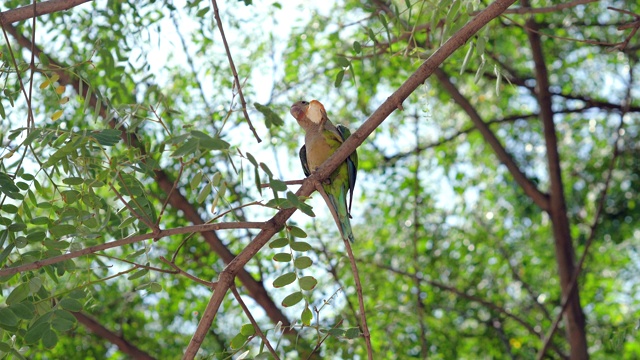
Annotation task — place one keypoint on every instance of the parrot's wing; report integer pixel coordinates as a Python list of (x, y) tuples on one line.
[(352, 163), (303, 160)]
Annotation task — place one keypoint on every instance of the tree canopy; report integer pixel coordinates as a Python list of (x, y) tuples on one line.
[(152, 203)]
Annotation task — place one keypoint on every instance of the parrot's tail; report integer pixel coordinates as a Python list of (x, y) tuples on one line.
[(340, 206)]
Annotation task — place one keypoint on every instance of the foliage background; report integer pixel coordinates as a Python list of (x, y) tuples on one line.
[(457, 260)]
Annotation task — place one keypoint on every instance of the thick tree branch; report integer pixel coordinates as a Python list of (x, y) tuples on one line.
[(541, 199), (41, 8), (392, 103), (565, 255)]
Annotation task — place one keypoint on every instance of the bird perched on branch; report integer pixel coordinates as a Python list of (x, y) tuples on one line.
[(321, 140)]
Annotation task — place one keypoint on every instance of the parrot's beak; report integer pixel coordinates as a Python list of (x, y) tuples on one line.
[(298, 110)]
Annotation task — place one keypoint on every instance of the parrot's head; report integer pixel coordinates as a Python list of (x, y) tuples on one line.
[(309, 113)]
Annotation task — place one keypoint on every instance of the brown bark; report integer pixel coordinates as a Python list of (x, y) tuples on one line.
[(565, 253)]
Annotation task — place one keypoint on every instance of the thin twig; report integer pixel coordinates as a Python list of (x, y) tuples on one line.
[(253, 322), (363, 316), (288, 182), (549, 9), (216, 13), (178, 270), (324, 338), (140, 217)]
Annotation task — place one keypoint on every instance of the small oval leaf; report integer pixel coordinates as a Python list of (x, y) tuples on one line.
[(284, 280), (292, 299), (282, 257), (308, 282)]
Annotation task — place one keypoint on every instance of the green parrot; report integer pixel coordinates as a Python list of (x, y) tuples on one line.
[(321, 140)]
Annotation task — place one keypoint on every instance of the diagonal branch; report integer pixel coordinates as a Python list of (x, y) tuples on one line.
[(541, 199), (393, 102), (41, 8)]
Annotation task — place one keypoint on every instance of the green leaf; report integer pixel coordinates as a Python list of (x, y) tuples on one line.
[(44, 60), (352, 333), (49, 339), (73, 181), (308, 282), (9, 208), (238, 341), (15, 227), (8, 317), (209, 143), (247, 330), (70, 304), (24, 310), (306, 209), (188, 147), (293, 198), (357, 47), (195, 180), (18, 294), (63, 320), (278, 185), (284, 280), (36, 236), (339, 78), (279, 243), (343, 61), (297, 232), (300, 246), (292, 299), (306, 316), (36, 332), (251, 159), (202, 12), (107, 137), (204, 192), (282, 257), (61, 230), (138, 274), (270, 117), (265, 168), (302, 262)]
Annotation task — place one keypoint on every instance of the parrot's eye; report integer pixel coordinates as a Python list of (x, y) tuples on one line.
[(305, 103)]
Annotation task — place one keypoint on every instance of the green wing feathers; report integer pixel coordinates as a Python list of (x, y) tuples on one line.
[(341, 182), (352, 163), (337, 193)]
